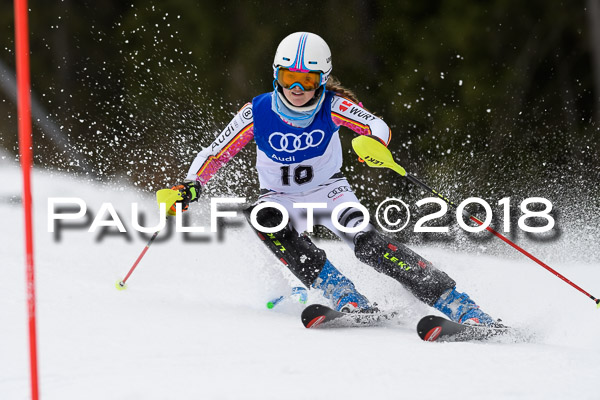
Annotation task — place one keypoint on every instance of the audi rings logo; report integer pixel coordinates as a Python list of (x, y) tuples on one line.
[(338, 190), (291, 143)]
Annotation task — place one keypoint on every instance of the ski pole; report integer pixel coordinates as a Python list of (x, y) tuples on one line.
[(377, 155), (163, 196), (121, 284), (298, 290)]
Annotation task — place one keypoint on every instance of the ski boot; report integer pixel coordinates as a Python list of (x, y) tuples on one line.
[(341, 291), (460, 308)]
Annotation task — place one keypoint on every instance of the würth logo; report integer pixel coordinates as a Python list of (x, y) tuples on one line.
[(345, 104)]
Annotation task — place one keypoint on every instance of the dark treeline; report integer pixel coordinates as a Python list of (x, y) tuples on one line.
[(485, 98)]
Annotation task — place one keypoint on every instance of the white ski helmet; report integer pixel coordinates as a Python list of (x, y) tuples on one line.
[(303, 52)]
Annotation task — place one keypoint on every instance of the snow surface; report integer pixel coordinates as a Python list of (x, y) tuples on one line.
[(193, 322)]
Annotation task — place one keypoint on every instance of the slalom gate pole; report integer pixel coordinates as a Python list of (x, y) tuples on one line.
[(163, 196), (25, 155), (375, 154)]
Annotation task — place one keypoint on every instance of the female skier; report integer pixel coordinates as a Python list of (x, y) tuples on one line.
[(299, 157)]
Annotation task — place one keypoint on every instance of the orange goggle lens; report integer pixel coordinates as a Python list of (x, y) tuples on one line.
[(306, 80)]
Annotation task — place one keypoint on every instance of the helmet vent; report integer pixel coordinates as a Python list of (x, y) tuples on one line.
[(286, 59), (312, 62)]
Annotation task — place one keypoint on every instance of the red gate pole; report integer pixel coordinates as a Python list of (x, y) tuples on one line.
[(25, 154)]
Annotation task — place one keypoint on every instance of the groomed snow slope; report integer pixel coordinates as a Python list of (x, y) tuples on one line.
[(193, 322)]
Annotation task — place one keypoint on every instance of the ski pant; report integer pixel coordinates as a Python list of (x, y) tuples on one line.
[(305, 260)]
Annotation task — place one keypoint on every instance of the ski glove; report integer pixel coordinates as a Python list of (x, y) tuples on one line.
[(189, 190)]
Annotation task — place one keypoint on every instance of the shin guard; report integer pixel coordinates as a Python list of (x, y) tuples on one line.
[(297, 252), (394, 259)]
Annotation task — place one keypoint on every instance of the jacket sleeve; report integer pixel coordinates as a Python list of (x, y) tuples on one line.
[(346, 113), (238, 133)]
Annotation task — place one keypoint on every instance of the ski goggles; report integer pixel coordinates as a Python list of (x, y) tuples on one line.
[(307, 81)]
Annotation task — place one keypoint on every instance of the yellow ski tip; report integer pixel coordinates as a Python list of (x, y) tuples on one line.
[(120, 285), (375, 154), (598, 303)]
